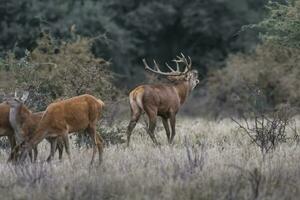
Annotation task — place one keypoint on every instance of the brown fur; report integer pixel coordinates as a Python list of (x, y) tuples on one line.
[(68, 116), (162, 100), (28, 123), (5, 127)]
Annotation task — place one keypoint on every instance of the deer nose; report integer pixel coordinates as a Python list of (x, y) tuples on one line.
[(197, 81)]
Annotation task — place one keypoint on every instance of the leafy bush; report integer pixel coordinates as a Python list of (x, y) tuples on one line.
[(60, 70), (57, 70), (135, 29), (282, 26), (272, 68)]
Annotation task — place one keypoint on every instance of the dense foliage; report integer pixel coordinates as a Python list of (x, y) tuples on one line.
[(273, 67), (283, 24), (59, 70), (127, 30), (216, 34)]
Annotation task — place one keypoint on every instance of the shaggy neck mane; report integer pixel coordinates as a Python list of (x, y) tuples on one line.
[(183, 90)]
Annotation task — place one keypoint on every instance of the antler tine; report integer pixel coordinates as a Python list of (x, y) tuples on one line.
[(181, 59), (156, 66), (190, 63), (177, 65), (184, 59), (169, 67)]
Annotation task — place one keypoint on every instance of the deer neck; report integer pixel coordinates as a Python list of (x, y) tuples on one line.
[(38, 135), (24, 113), (183, 90), (17, 116)]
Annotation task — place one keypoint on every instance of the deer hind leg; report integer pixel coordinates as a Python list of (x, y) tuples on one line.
[(53, 143), (165, 122), (172, 122), (100, 145), (135, 116), (92, 133)]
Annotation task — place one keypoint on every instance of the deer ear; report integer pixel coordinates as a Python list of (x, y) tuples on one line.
[(25, 96)]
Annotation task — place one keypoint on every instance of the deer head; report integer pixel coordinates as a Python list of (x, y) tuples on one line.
[(18, 100), (188, 74)]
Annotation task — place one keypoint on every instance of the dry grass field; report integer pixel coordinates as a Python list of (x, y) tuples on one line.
[(209, 160)]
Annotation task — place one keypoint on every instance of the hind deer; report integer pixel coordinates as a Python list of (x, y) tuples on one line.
[(5, 127), (68, 116), (162, 100), (24, 122)]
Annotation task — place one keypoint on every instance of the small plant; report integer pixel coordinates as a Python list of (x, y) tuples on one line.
[(265, 127), (254, 177), (4, 143), (111, 135), (196, 155)]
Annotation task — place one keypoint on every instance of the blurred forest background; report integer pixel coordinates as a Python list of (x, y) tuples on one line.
[(242, 49)]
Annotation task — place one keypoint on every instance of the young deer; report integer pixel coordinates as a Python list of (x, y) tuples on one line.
[(68, 116), (162, 100), (6, 129), (24, 123)]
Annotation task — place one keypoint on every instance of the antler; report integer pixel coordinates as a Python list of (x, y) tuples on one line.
[(173, 72)]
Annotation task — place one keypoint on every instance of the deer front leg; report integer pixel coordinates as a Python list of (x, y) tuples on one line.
[(172, 122), (30, 156), (12, 143), (166, 126), (135, 116), (35, 153), (53, 143)]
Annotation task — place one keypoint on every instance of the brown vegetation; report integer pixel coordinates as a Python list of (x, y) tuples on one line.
[(271, 68), (56, 70)]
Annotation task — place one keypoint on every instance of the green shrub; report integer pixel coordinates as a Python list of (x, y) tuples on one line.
[(273, 68), (60, 70)]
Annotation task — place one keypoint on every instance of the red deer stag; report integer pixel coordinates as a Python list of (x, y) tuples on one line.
[(24, 123), (162, 100), (68, 116), (5, 127)]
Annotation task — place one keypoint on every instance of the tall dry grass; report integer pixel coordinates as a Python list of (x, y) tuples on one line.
[(209, 160)]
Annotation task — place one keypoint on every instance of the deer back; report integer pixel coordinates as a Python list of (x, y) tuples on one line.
[(73, 114)]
